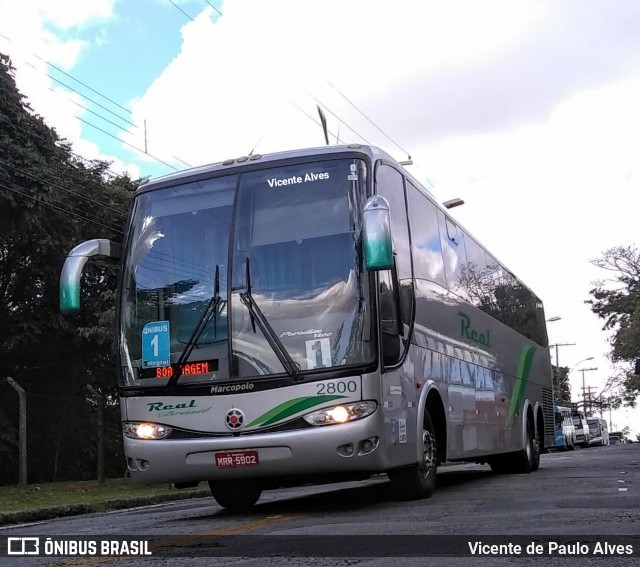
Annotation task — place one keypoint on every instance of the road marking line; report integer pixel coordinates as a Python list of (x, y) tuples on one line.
[(189, 539), (622, 489)]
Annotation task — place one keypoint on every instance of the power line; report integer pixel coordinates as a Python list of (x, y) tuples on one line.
[(309, 116), (126, 143), (188, 16), (79, 195), (99, 115), (93, 101), (98, 104), (34, 135), (56, 207), (69, 210), (72, 77), (216, 9), (83, 84), (371, 121), (339, 119)]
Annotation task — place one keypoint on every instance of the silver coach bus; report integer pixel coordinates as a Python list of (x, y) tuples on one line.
[(315, 315), (599, 431)]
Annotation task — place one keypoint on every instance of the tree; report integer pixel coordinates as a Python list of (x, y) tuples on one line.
[(617, 301), (50, 200), (561, 386)]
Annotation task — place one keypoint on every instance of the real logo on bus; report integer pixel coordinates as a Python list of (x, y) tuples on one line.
[(483, 339), (167, 410)]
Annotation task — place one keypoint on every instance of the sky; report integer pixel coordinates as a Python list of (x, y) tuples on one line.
[(527, 110)]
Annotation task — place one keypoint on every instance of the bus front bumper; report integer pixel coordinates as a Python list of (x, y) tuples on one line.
[(351, 447)]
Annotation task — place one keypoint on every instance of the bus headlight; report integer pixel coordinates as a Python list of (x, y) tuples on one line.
[(145, 430), (341, 414)]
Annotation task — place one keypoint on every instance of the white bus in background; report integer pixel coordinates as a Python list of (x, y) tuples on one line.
[(565, 431), (599, 431), (315, 315), (582, 434)]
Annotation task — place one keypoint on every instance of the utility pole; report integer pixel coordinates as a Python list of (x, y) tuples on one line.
[(586, 395), (556, 347), (22, 432), (584, 388), (557, 372), (100, 452)]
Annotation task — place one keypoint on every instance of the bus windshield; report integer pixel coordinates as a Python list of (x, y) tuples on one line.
[(287, 235)]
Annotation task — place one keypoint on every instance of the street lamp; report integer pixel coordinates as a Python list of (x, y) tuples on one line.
[(552, 319), (579, 363), (453, 203)]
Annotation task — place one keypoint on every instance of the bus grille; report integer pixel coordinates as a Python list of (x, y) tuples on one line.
[(547, 411)]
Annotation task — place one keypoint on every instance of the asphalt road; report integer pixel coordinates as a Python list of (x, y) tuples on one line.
[(591, 492)]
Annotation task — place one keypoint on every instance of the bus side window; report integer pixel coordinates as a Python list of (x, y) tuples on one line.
[(390, 185), (453, 252)]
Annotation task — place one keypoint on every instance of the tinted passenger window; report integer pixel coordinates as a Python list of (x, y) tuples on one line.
[(390, 185), (453, 254), (425, 237), (511, 302), (474, 276)]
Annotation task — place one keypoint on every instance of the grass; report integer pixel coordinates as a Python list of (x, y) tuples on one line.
[(64, 494)]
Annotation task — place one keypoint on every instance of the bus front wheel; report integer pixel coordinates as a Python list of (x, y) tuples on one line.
[(236, 495), (419, 480)]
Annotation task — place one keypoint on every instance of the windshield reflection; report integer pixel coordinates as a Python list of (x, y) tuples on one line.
[(298, 226)]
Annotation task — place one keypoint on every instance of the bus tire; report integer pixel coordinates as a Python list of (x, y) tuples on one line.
[(419, 480), (528, 459), (236, 495), (535, 462)]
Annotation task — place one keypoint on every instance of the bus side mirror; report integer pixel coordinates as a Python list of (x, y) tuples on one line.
[(376, 228), (73, 266)]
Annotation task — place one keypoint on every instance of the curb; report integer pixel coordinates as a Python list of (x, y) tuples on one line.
[(27, 516)]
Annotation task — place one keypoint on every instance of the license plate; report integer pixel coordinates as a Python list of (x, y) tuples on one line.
[(237, 459)]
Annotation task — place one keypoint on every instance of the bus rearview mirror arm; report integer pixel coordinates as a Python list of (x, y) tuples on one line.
[(74, 264)]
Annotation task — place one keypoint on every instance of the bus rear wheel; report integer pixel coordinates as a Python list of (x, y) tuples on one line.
[(236, 495), (528, 459), (524, 461), (419, 480)]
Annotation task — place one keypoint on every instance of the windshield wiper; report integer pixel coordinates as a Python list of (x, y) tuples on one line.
[(210, 310), (291, 367)]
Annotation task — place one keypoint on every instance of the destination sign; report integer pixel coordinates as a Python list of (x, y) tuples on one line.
[(188, 369)]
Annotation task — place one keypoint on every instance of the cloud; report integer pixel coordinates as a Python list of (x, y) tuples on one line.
[(35, 31), (527, 110)]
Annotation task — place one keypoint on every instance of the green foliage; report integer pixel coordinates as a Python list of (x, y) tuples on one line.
[(50, 201), (561, 386), (617, 301)]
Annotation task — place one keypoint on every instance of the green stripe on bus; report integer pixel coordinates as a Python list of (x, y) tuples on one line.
[(520, 382), (290, 408)]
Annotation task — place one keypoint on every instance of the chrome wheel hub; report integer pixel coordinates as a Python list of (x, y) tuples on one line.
[(428, 454)]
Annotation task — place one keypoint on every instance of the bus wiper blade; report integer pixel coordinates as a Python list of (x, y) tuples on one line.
[(291, 367), (210, 310)]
